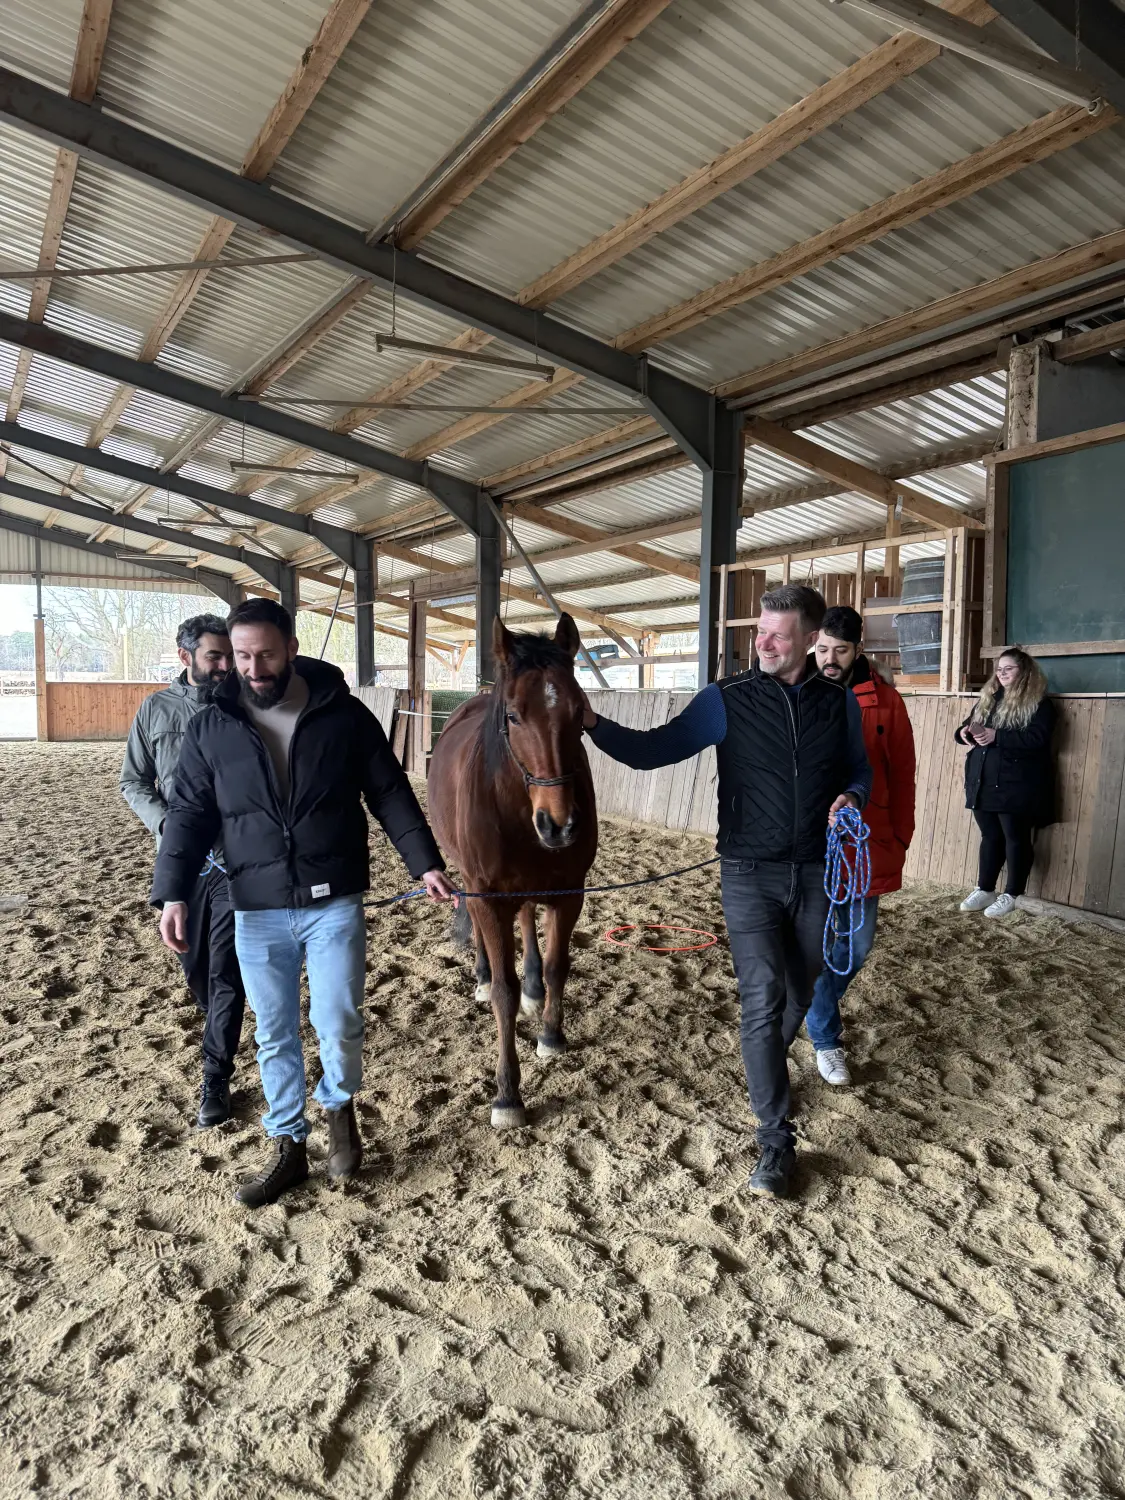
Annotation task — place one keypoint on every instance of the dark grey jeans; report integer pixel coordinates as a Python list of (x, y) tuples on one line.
[(775, 916), (211, 969)]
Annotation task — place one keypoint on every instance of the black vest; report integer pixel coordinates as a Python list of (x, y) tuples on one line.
[(782, 764)]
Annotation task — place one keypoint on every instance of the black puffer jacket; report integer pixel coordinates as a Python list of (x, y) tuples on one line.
[(315, 846), (1016, 773)]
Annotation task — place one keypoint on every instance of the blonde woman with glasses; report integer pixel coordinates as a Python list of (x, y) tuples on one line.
[(1009, 776)]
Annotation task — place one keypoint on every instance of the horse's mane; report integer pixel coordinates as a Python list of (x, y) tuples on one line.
[(528, 651)]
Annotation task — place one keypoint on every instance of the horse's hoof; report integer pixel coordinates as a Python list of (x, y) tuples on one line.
[(508, 1117), (550, 1046), (484, 994), (529, 1006)]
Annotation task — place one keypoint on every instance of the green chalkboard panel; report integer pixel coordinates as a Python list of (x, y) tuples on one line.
[(1066, 554)]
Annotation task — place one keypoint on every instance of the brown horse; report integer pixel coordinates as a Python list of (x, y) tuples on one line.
[(512, 801)]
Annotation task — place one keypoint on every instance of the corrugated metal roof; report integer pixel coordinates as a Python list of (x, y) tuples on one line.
[(411, 83), (69, 565), (25, 191), (39, 39), (202, 73)]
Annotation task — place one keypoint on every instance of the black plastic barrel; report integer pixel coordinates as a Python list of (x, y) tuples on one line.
[(919, 636)]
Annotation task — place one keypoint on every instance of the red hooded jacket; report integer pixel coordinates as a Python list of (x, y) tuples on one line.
[(889, 740)]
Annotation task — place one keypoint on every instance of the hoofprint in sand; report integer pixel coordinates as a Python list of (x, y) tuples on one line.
[(590, 1306)]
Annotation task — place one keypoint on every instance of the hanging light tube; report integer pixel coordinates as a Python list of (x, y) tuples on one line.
[(972, 41), (465, 356), (450, 406)]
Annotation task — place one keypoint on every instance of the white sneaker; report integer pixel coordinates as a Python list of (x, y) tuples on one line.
[(1001, 906), (833, 1066), (977, 900)]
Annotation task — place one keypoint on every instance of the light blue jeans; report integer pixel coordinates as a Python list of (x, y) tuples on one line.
[(331, 939), (822, 1020)]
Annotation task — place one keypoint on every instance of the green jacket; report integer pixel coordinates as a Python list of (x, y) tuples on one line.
[(152, 752)]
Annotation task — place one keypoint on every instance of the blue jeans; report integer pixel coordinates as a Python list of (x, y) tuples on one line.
[(331, 939), (823, 1021)]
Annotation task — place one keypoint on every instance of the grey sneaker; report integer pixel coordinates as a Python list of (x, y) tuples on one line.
[(832, 1065), (772, 1176), (977, 900)]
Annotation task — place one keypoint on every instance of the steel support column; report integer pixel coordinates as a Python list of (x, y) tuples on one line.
[(490, 569), (722, 498), (289, 592), (366, 586)]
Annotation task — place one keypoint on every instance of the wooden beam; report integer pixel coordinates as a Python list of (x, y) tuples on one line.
[(627, 460), (599, 539), (1085, 345), (586, 447), (1031, 143), (1093, 438), (613, 30), (1025, 281), (870, 76), (532, 394), (306, 81), (93, 29), (855, 476)]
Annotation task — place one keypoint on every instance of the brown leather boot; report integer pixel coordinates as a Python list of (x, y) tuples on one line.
[(286, 1168), (345, 1149)]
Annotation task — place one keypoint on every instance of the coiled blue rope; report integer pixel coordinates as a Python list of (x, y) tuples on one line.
[(846, 883)]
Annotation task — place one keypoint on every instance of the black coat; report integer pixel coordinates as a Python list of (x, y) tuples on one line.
[(313, 847), (1016, 773)]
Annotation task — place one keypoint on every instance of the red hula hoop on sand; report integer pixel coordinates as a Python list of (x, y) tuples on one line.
[(661, 927)]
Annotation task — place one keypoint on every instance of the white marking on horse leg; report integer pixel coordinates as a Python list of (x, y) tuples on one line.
[(508, 1117), (529, 1006), (484, 994), (546, 1047)]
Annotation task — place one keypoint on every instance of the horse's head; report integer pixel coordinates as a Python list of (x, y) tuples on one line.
[(539, 714)]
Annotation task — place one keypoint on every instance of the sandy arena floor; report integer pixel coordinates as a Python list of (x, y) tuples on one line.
[(589, 1307)]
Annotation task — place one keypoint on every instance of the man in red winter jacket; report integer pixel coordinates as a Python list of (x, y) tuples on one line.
[(889, 741)]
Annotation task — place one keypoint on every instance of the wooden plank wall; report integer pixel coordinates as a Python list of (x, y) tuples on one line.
[(1079, 861), (382, 701), (94, 710)]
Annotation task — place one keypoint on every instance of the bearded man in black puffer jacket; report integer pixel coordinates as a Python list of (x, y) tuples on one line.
[(278, 765)]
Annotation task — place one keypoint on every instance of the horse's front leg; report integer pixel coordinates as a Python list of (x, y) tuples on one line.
[(560, 922), (531, 987), (495, 924)]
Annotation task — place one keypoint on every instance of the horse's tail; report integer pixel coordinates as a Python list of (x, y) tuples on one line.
[(461, 928)]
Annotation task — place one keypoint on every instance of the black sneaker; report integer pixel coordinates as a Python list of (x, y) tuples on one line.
[(288, 1167), (774, 1172), (214, 1102)]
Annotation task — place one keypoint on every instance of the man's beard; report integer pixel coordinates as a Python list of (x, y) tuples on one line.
[(837, 674), (207, 679), (270, 696)]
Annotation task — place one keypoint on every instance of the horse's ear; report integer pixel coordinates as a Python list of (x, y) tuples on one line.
[(566, 636), (501, 641)]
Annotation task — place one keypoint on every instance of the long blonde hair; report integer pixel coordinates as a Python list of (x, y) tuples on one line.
[(1017, 703)]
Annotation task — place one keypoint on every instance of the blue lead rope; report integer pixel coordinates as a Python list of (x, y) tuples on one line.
[(846, 884)]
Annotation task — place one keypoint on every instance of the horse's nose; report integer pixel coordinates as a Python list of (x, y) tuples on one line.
[(551, 833)]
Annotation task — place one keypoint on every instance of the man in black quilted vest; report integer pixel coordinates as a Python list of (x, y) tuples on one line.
[(790, 755)]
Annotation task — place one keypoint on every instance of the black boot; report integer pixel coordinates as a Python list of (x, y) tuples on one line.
[(345, 1149), (286, 1168), (214, 1102), (773, 1176)]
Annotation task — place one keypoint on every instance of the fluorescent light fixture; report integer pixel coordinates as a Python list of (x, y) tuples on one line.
[(972, 41), (465, 356), (243, 466)]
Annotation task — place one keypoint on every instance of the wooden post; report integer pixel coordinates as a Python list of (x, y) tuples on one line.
[(42, 727), (960, 611), (721, 651), (650, 643), (786, 568), (945, 672), (416, 685), (892, 569), (860, 570), (125, 662)]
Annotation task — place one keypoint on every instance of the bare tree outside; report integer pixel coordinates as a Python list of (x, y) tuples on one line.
[(119, 633)]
